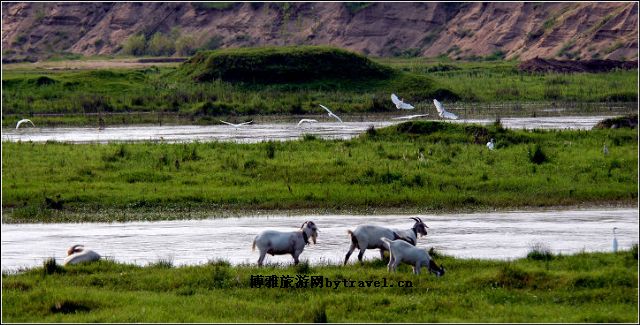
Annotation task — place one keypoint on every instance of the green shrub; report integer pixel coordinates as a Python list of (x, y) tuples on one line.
[(135, 45), (160, 44), (538, 156)]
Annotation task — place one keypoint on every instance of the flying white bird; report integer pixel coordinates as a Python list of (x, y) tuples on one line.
[(615, 240), (408, 117), (236, 125), (330, 113), (399, 103), (491, 144), (442, 112), (78, 254), (24, 121), (306, 120)]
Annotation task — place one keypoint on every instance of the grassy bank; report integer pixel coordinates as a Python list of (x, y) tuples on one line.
[(348, 84), (426, 166), (587, 287)]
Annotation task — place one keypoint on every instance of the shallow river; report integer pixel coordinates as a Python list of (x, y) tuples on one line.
[(498, 235), (258, 132)]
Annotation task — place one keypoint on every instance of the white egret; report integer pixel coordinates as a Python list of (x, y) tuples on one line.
[(491, 144), (408, 117), (330, 113), (78, 254), (442, 112), (24, 121), (605, 150), (615, 240), (236, 125), (306, 120), (399, 103)]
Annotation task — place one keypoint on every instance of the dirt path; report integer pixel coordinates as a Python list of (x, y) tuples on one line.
[(91, 64)]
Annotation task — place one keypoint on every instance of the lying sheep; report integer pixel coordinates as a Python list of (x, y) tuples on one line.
[(279, 243), (401, 251)]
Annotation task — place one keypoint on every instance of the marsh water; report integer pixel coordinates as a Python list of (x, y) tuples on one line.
[(265, 131), (495, 235)]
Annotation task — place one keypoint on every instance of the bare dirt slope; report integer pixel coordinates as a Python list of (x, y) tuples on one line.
[(589, 30)]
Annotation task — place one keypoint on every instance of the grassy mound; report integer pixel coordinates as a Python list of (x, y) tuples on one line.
[(627, 121), (282, 65)]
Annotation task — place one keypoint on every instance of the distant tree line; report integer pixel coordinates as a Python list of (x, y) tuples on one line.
[(161, 44)]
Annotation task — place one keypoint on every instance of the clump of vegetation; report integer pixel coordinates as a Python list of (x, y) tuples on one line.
[(51, 267), (537, 155), (282, 65), (540, 252)]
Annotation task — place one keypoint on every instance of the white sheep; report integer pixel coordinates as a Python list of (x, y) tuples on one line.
[(279, 243), (78, 254), (369, 237), (401, 251)]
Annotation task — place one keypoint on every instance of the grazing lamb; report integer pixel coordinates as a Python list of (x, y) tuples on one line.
[(369, 237), (401, 251), (78, 254), (280, 243)]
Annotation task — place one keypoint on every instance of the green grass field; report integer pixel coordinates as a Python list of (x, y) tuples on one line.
[(586, 287), (200, 89), (413, 166)]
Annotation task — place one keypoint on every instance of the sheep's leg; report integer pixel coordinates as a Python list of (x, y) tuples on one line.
[(261, 259), (382, 254), (351, 249), (416, 269), (295, 259), (395, 263), (361, 254), (391, 261)]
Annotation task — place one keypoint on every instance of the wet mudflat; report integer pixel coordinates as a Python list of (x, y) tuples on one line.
[(497, 235), (259, 132)]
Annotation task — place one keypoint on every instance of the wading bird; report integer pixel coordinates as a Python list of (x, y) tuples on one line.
[(491, 144), (306, 120), (24, 121), (408, 117), (399, 103), (442, 112), (615, 240), (330, 113), (236, 125)]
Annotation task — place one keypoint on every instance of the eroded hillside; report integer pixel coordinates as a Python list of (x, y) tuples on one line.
[(595, 30)]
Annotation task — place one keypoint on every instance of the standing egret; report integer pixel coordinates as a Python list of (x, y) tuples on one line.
[(442, 112), (307, 120), (491, 144), (236, 125), (399, 103), (330, 113), (24, 121), (615, 240)]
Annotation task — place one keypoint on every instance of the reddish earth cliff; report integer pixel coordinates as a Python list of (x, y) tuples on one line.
[(565, 30)]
